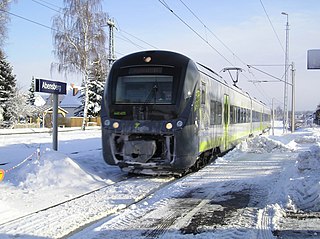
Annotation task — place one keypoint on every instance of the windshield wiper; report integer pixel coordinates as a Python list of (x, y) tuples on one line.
[(152, 94)]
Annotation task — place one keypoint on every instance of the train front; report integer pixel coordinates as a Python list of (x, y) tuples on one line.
[(148, 113)]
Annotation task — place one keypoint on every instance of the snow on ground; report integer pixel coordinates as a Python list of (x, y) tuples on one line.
[(37, 177), (285, 167)]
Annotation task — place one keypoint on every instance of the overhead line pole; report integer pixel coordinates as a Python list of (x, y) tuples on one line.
[(293, 98), (285, 105), (111, 57)]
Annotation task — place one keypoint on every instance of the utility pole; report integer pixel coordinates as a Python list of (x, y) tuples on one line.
[(272, 115), (286, 65), (293, 97), (111, 57)]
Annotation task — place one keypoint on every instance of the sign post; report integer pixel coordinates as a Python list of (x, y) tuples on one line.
[(56, 88)]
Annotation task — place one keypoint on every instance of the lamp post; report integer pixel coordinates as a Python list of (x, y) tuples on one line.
[(286, 65)]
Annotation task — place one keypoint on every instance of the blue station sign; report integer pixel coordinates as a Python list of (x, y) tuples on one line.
[(53, 87)]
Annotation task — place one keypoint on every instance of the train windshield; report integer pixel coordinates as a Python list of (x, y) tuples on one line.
[(144, 89)]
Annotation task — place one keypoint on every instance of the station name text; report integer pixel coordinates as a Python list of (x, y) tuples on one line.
[(50, 86)]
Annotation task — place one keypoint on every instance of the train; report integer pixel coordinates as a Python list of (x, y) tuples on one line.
[(164, 114), (316, 116)]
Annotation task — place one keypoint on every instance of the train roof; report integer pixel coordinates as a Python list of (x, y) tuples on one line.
[(174, 59), (153, 57), (215, 76)]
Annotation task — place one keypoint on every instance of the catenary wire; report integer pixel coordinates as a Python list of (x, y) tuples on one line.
[(184, 22), (272, 25), (205, 26), (44, 5), (194, 31), (50, 3), (139, 39)]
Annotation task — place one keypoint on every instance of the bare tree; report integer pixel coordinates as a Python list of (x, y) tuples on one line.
[(4, 19), (80, 40)]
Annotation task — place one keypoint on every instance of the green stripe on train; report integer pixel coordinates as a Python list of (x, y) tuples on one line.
[(205, 145)]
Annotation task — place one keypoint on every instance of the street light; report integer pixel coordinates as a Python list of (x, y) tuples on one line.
[(285, 109)]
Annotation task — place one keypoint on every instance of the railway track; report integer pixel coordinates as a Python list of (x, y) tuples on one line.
[(219, 201), (83, 210)]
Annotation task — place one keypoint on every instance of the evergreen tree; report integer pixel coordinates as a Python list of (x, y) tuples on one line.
[(95, 84), (79, 110), (7, 86), (95, 90), (31, 97)]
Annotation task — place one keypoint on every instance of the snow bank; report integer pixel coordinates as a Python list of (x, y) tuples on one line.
[(309, 160), (261, 144), (304, 193), (52, 169), (307, 139)]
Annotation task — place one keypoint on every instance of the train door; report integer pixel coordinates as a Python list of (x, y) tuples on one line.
[(226, 116)]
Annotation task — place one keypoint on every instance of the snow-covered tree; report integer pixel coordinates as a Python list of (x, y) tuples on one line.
[(18, 107), (80, 40), (7, 86), (96, 82), (95, 88), (31, 97)]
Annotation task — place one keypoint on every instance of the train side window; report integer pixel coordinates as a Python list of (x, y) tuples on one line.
[(215, 112), (219, 112), (235, 115), (203, 93), (232, 114), (239, 115), (212, 112), (256, 116)]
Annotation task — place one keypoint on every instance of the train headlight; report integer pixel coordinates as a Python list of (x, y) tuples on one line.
[(115, 125), (107, 122), (168, 126), (179, 123)]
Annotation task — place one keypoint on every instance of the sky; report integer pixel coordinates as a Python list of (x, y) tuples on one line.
[(215, 33)]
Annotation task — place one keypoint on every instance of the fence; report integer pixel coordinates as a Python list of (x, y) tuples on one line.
[(77, 121)]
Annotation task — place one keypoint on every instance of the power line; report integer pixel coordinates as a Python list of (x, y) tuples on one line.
[(204, 25), (138, 39), (29, 20), (206, 41), (193, 30), (52, 29), (121, 31), (124, 38), (51, 4), (44, 5), (271, 25)]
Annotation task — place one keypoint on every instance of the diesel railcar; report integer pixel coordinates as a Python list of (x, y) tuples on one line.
[(162, 113)]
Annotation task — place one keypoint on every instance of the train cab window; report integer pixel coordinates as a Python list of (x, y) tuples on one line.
[(144, 89)]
